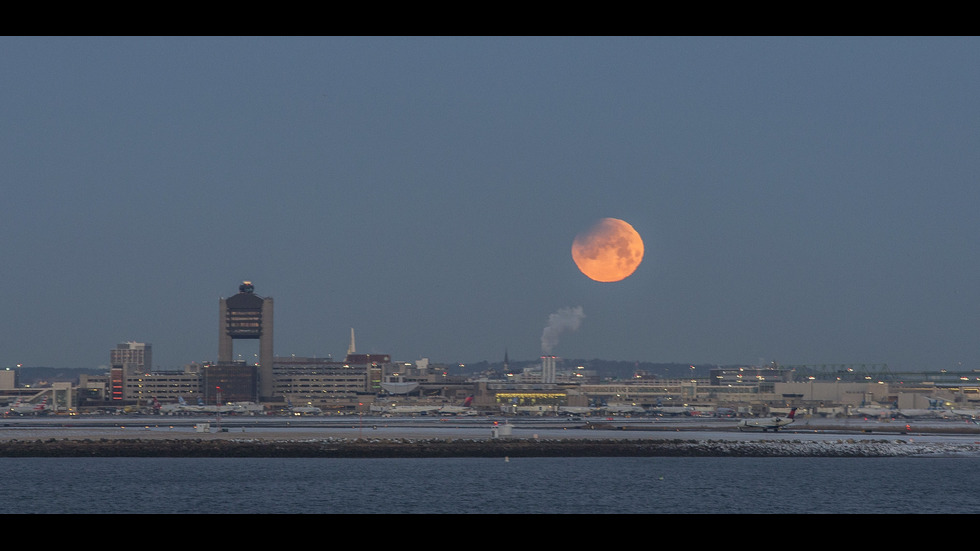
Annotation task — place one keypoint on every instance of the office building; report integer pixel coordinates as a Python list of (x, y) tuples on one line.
[(127, 360)]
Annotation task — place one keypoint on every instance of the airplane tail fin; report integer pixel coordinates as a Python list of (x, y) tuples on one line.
[(792, 413)]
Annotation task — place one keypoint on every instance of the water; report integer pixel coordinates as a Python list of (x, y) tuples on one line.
[(491, 486)]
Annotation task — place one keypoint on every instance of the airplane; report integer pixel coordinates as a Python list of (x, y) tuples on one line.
[(388, 411), (623, 408), (936, 410), (465, 409), (877, 412), (15, 404), (248, 408), (660, 409), (576, 410), (929, 413), (456, 410), (672, 410), (967, 413), (420, 410), (774, 423), (20, 408), (724, 412), (181, 407), (174, 408), (303, 410)]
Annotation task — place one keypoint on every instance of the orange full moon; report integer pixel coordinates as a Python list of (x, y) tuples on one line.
[(609, 251)]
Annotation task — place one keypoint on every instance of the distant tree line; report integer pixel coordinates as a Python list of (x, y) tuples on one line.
[(611, 369), (605, 369)]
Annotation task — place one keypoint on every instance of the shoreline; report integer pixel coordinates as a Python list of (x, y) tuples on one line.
[(442, 438), (446, 448)]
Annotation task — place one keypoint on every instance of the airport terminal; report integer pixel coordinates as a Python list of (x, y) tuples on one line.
[(377, 384)]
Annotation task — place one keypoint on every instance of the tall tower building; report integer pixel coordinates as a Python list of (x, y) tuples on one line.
[(248, 316)]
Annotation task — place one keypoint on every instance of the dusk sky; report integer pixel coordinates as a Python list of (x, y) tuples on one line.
[(803, 200)]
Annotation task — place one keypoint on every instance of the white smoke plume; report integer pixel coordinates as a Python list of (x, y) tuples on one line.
[(565, 319)]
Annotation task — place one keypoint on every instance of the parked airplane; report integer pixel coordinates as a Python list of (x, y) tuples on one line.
[(622, 408), (411, 410), (876, 412), (937, 410), (724, 412), (21, 408), (576, 410), (18, 403), (181, 407), (773, 423), (672, 410), (929, 413), (303, 410), (968, 413), (465, 409), (660, 409), (247, 408), (456, 410)]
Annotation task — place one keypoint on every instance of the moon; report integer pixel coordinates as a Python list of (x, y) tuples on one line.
[(610, 250)]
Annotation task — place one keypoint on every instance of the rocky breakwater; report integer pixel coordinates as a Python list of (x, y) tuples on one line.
[(509, 447)]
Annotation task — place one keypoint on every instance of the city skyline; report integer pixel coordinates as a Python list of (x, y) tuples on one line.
[(804, 200)]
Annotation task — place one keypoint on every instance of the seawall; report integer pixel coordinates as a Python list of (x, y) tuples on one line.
[(400, 448)]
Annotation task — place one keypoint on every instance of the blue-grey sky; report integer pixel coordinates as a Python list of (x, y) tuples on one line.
[(804, 200)]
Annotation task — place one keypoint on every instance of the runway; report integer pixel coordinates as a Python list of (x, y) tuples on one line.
[(471, 428)]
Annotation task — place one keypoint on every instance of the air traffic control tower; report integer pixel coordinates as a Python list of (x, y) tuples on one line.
[(248, 316)]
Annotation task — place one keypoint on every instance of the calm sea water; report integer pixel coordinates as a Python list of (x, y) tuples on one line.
[(491, 486)]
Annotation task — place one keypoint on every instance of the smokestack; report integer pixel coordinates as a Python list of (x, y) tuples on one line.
[(350, 349), (548, 369)]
